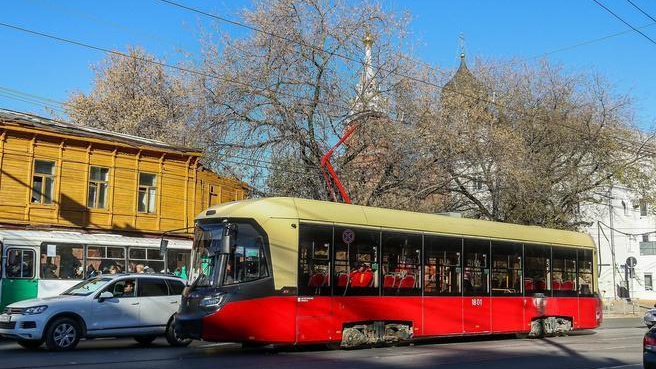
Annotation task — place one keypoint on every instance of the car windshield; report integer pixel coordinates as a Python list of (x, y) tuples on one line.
[(87, 287), (207, 241)]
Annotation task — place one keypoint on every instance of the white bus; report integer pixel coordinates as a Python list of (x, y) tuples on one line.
[(46, 263)]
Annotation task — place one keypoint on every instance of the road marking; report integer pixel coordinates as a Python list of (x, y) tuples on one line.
[(639, 365)]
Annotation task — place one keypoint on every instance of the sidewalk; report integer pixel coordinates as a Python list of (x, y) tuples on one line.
[(625, 309)]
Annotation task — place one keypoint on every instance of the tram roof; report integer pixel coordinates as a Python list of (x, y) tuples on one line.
[(330, 212), (34, 237)]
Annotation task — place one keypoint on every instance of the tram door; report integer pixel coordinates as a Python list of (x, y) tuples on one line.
[(476, 302), (19, 277), (314, 308)]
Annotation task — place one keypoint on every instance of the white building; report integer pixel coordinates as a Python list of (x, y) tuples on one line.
[(624, 227)]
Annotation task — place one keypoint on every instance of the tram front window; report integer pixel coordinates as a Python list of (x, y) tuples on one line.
[(241, 259), (205, 257)]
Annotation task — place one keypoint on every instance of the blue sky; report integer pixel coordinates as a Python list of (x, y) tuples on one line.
[(493, 29)]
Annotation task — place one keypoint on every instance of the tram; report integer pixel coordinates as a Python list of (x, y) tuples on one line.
[(36, 264), (296, 271)]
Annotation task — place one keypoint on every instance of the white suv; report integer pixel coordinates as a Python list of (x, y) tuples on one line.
[(142, 306)]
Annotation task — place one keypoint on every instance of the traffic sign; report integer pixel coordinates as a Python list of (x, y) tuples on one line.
[(631, 261)]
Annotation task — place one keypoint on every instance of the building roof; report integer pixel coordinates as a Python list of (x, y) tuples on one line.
[(330, 212), (56, 126), (463, 80)]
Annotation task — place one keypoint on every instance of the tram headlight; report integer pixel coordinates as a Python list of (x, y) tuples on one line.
[(213, 302), (35, 310)]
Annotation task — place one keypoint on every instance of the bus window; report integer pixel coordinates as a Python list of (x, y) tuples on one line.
[(475, 279), (20, 264), (314, 260), (442, 266), (246, 261), (177, 262), (585, 275), (537, 269), (401, 264), (506, 269), (61, 261), (148, 258), (564, 272), (356, 262), (104, 260)]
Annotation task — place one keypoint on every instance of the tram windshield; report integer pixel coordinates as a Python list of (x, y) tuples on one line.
[(205, 257), (237, 259)]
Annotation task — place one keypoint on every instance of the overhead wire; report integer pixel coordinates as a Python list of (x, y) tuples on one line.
[(642, 11), (349, 58), (265, 89), (624, 21)]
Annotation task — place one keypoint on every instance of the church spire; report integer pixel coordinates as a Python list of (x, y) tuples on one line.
[(462, 49), (368, 93)]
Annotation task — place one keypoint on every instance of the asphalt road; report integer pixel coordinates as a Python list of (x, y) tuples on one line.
[(617, 344)]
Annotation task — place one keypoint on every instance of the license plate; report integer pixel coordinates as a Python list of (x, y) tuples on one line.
[(4, 318)]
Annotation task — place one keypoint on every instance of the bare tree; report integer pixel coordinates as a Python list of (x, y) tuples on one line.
[(532, 143), (285, 94), (136, 95)]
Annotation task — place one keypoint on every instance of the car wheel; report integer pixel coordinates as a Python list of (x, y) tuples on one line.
[(172, 338), (30, 344), (145, 340), (63, 334)]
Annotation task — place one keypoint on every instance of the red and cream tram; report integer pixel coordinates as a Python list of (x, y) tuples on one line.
[(296, 271)]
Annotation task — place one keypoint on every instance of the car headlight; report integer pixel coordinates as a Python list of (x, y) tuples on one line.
[(213, 302), (35, 310)]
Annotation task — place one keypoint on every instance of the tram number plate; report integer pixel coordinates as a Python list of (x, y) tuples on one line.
[(477, 302), (4, 318)]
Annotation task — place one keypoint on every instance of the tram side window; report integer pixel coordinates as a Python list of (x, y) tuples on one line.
[(314, 260), (142, 260), (247, 260), (401, 263), (61, 261), (477, 268), (506, 269), (537, 269), (20, 264), (177, 262), (104, 260), (442, 268), (585, 276), (356, 262), (564, 271)]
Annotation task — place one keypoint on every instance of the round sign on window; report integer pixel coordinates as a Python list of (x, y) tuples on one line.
[(348, 236)]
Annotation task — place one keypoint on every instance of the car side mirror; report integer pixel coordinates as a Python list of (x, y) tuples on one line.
[(105, 295)]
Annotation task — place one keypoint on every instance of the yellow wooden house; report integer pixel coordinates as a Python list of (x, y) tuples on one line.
[(56, 174)]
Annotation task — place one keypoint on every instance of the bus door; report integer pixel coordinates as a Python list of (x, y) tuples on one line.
[(476, 304), (20, 278)]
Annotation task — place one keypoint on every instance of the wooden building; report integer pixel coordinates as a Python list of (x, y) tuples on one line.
[(56, 174)]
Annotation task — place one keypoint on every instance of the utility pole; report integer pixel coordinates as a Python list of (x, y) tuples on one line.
[(612, 238)]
